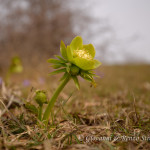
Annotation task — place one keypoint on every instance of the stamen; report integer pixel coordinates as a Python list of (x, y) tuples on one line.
[(82, 53)]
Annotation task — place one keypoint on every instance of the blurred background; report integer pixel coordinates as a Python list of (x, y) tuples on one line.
[(118, 106), (33, 29)]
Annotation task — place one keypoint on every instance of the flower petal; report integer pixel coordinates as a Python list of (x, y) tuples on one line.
[(76, 43), (84, 64), (96, 63), (63, 50), (69, 54), (90, 49)]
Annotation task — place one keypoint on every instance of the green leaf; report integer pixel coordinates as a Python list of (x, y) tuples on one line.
[(54, 61), (96, 63), (63, 50), (58, 71), (60, 58), (76, 43), (31, 108), (90, 73), (88, 79), (75, 79), (56, 66), (84, 64), (94, 75), (89, 76), (77, 140), (86, 76), (90, 49)]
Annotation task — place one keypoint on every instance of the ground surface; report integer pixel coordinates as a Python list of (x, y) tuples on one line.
[(114, 115)]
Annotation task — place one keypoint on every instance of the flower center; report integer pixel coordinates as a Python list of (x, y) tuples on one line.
[(82, 53)]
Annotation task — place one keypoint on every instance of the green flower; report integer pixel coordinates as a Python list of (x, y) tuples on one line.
[(77, 60), (79, 54), (16, 65)]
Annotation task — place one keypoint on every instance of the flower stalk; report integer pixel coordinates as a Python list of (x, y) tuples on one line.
[(40, 110), (53, 99)]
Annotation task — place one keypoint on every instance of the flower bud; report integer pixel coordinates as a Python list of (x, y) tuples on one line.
[(40, 97), (74, 70), (16, 65)]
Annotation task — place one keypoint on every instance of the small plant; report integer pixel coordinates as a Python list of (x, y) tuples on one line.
[(77, 60), (40, 98), (15, 67)]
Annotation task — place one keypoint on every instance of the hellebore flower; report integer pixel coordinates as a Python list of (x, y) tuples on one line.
[(78, 59), (82, 55)]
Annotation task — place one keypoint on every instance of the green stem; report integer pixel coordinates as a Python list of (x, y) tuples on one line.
[(40, 113), (53, 99), (7, 78)]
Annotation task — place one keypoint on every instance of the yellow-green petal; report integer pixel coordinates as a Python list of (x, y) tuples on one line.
[(84, 64), (69, 54), (90, 49), (63, 50), (96, 63), (76, 43)]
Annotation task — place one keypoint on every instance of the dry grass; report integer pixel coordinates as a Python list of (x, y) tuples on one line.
[(114, 115)]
